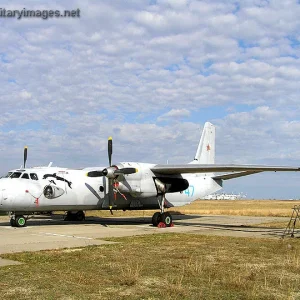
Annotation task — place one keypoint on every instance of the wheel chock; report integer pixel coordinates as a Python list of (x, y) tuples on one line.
[(163, 225)]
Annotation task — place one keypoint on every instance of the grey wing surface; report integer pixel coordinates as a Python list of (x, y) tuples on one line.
[(237, 170)]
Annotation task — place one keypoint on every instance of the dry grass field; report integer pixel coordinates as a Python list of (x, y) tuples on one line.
[(220, 207), (164, 266), (241, 207)]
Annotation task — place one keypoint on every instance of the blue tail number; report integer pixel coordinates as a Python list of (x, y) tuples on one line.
[(190, 191)]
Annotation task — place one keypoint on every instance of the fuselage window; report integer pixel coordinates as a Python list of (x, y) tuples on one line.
[(25, 176), (33, 176), (8, 174), (16, 175)]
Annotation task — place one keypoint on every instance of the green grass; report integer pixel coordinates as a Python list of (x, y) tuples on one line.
[(163, 266)]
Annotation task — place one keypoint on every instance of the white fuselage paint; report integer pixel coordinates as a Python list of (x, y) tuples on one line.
[(74, 190)]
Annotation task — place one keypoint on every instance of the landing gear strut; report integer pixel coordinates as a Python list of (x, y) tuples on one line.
[(75, 216), (162, 218)]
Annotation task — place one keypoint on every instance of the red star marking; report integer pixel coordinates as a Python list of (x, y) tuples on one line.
[(207, 147)]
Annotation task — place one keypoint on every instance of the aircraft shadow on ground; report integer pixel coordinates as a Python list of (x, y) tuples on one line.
[(231, 227), (89, 220), (41, 220), (179, 220), (237, 228)]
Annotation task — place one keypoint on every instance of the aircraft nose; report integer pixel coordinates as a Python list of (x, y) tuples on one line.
[(3, 192), (1, 195)]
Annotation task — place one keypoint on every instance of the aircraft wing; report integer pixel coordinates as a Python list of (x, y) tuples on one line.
[(234, 175), (213, 168)]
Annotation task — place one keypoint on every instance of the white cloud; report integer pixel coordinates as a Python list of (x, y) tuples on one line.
[(25, 95), (174, 114)]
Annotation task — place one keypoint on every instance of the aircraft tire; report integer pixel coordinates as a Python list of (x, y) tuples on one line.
[(70, 216), (167, 219), (80, 216), (156, 218), (12, 222), (20, 221)]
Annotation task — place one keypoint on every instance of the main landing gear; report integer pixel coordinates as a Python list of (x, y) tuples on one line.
[(162, 218), (75, 216), (18, 221)]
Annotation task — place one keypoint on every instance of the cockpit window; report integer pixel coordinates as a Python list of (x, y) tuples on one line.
[(25, 176), (8, 174), (15, 175), (33, 176)]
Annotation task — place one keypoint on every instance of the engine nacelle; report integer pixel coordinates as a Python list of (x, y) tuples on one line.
[(145, 183), (171, 184)]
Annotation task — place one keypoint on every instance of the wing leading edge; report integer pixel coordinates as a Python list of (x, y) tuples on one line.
[(240, 170)]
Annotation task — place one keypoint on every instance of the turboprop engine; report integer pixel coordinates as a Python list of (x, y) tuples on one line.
[(137, 179)]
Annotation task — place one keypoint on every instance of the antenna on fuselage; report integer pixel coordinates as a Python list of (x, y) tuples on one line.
[(50, 164)]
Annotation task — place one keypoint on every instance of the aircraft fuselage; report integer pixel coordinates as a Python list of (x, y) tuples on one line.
[(43, 189)]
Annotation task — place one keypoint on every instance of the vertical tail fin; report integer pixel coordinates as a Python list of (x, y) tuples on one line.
[(206, 149)]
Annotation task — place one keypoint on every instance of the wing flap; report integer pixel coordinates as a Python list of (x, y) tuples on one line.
[(234, 175)]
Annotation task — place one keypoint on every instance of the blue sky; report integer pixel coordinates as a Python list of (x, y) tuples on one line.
[(150, 73)]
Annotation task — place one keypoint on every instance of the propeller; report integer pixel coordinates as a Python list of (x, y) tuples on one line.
[(110, 150), (105, 173), (94, 174), (112, 172), (25, 156), (125, 171)]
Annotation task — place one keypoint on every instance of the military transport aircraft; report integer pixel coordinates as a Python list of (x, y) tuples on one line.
[(126, 185)]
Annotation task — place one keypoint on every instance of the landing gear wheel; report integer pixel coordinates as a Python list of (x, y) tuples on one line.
[(13, 222), (80, 216), (20, 221), (68, 216), (167, 219), (156, 219)]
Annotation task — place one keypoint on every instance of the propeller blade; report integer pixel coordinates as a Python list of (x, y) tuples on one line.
[(25, 156), (93, 192), (110, 150), (94, 174), (125, 171)]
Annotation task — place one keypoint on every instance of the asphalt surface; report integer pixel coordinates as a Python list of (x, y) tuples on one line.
[(43, 233)]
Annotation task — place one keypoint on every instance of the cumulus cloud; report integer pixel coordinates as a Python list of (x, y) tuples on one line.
[(174, 114)]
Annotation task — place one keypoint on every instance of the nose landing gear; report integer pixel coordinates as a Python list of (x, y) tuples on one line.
[(18, 221)]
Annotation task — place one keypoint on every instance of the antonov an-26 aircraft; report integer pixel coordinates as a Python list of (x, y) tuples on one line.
[(126, 186)]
